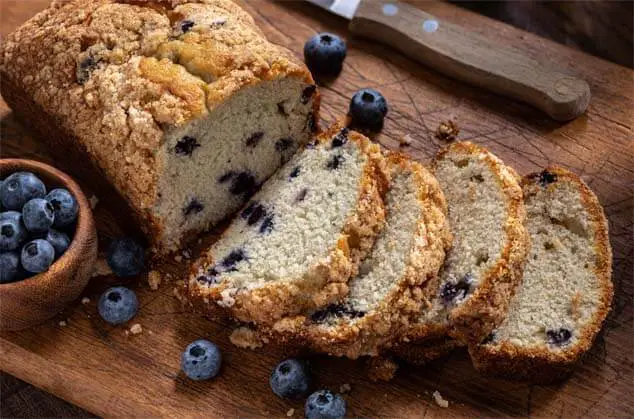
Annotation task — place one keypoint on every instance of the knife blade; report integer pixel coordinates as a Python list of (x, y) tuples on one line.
[(466, 56)]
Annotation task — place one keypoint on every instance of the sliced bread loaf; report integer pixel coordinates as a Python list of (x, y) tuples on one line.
[(566, 292), (184, 107), (484, 266), (297, 242), (385, 295)]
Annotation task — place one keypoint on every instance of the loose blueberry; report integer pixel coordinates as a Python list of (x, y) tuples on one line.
[(186, 146), (367, 110), (308, 93), (323, 404), (452, 293), (118, 305), (13, 233), (65, 206), (290, 379), (38, 215), (324, 54), (559, 337), (60, 241), (37, 256), (126, 257), (193, 207), (19, 188), (201, 360), (335, 162), (10, 267), (340, 139)]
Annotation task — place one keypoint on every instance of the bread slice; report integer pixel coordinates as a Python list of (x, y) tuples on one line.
[(484, 266), (298, 241), (386, 294), (566, 292), (184, 108)]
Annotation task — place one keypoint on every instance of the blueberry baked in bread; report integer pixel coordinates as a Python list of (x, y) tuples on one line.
[(484, 265), (183, 106), (385, 295), (566, 291), (294, 246)]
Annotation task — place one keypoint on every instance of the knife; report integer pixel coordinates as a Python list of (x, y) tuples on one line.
[(464, 55)]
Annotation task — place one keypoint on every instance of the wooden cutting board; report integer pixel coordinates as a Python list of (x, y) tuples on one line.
[(108, 372)]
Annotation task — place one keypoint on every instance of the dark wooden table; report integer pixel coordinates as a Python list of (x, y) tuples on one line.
[(110, 373)]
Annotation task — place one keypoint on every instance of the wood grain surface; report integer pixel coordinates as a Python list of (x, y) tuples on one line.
[(111, 373)]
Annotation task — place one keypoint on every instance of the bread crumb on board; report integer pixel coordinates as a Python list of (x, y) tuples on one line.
[(405, 141), (154, 280), (93, 200), (290, 412), (447, 131), (136, 329), (63, 323), (439, 399), (246, 338), (381, 368), (101, 268), (85, 300), (345, 388), (178, 258), (178, 291)]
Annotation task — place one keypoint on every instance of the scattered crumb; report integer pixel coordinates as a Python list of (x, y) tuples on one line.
[(290, 412), (136, 329), (187, 254), (93, 202), (101, 268), (345, 388), (439, 400), (246, 338), (85, 300), (200, 241), (447, 131), (178, 258), (63, 323), (126, 332), (405, 140), (154, 280), (178, 291), (381, 368)]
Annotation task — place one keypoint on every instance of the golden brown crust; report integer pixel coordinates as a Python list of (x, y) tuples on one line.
[(379, 328), (114, 76), (325, 282), (541, 365)]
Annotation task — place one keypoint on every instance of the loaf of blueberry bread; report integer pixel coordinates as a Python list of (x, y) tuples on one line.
[(183, 106), (566, 291), (295, 245), (484, 266), (386, 293)]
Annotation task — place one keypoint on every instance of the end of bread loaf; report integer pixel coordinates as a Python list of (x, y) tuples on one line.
[(566, 291), (297, 242), (185, 108)]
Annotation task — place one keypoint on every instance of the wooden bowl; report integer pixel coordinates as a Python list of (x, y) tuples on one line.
[(33, 300)]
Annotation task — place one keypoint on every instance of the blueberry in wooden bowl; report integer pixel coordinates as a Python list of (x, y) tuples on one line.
[(59, 256)]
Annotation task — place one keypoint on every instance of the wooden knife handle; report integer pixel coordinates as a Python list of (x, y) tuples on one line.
[(471, 58)]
